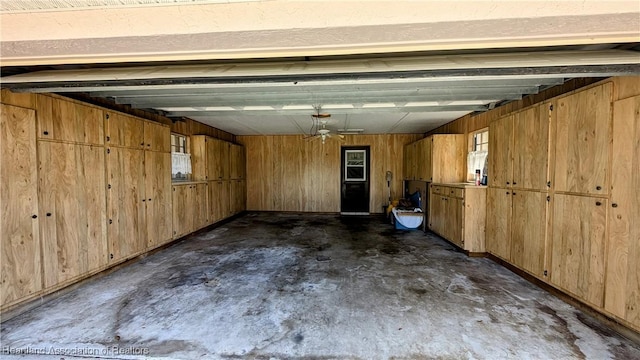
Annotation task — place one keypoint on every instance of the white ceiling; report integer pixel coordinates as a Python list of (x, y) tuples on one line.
[(263, 66)]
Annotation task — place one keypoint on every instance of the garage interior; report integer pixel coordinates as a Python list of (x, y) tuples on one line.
[(187, 179)]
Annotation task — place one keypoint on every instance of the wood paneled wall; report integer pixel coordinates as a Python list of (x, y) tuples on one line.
[(288, 173)]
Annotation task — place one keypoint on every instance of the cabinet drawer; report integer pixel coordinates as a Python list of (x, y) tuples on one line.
[(437, 189), (455, 192)]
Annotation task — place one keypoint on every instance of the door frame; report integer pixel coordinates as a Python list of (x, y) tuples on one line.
[(367, 174)]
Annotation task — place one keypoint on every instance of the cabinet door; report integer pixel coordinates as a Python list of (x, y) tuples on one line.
[(223, 206), (69, 121), (123, 130), (437, 209), (157, 137), (498, 232), (453, 220), (157, 190), (125, 202), (234, 152), (447, 154), (583, 124), (200, 157), (500, 149), (578, 246), (622, 296), (72, 210), (221, 159), (183, 210), (237, 196), (531, 147), (19, 238), (200, 205), (213, 161), (528, 231)]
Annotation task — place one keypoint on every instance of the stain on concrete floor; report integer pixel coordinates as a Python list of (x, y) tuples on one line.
[(308, 286)]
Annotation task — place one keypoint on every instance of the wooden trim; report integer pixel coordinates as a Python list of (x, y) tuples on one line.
[(617, 326)]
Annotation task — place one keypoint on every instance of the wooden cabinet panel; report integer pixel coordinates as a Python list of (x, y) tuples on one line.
[(622, 297), (219, 200), (531, 147), (200, 204), (123, 130), (157, 137), (158, 216), (19, 237), (437, 210), (200, 157), (220, 162), (583, 123), (236, 162), (453, 220), (72, 210), (578, 246), (212, 149), (423, 159), (237, 191), (183, 210), (528, 230), (69, 121), (498, 235), (500, 170), (125, 207), (448, 153)]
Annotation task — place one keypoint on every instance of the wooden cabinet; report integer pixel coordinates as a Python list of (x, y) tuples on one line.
[(221, 162), (157, 137), (457, 213), (622, 296), (65, 120), (437, 158), (201, 205), (582, 141), (123, 131), (237, 195), (158, 214), (499, 223), (126, 198), (72, 210), (578, 246), (236, 162), (530, 148), (19, 222), (500, 167), (529, 230), (219, 205), (190, 207), (211, 159), (183, 210)]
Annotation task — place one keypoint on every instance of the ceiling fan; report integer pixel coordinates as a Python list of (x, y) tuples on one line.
[(319, 124)]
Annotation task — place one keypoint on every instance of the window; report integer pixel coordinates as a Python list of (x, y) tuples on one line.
[(477, 157), (178, 143), (180, 158), (355, 165), (481, 141)]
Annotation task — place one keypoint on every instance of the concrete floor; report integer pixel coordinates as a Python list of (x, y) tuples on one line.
[(309, 286)]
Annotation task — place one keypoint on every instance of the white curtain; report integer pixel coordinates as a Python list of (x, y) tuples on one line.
[(180, 163), (475, 161)]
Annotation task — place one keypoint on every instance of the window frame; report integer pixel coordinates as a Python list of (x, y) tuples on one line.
[(363, 166)]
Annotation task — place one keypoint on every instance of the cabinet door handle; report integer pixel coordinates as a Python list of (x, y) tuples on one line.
[(598, 187), (598, 203), (34, 216), (614, 205), (507, 183), (48, 214), (514, 183), (507, 193), (513, 193)]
